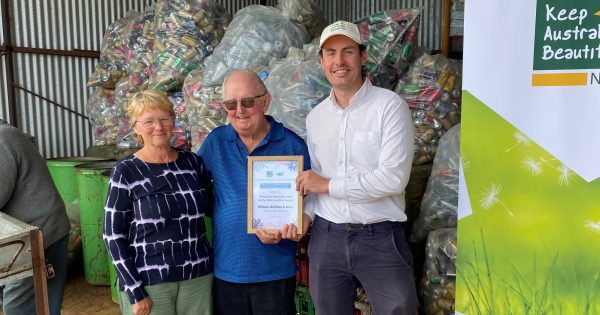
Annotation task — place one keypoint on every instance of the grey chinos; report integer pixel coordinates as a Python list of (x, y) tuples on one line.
[(375, 254)]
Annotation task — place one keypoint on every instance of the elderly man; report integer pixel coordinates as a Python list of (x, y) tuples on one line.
[(254, 274), (27, 193), (360, 141)]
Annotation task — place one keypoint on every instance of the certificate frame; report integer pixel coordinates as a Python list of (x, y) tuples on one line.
[(272, 197)]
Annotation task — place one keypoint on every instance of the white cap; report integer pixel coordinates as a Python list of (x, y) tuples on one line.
[(347, 29)]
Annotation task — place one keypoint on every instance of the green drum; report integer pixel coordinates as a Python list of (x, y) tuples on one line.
[(62, 171), (92, 195)]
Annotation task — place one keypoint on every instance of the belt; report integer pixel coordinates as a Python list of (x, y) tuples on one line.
[(383, 225)]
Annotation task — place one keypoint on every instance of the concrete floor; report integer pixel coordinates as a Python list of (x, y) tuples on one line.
[(82, 298)]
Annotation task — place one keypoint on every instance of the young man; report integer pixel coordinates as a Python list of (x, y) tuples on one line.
[(254, 274), (360, 141)]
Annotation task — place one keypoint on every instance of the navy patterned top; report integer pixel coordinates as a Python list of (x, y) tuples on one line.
[(154, 222)]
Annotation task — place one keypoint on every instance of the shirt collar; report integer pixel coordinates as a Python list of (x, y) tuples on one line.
[(356, 100), (275, 133)]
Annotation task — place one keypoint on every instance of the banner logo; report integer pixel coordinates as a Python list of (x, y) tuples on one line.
[(567, 45)]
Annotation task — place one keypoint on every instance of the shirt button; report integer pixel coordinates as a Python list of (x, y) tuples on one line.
[(341, 138), (340, 161)]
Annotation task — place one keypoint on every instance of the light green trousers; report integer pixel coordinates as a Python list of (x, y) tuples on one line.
[(189, 297)]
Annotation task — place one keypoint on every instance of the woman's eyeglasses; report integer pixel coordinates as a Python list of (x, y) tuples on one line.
[(247, 102), (163, 121)]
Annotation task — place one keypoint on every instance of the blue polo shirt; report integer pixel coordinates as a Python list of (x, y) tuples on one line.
[(240, 257)]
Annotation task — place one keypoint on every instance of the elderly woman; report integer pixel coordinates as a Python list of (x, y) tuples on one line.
[(154, 219)]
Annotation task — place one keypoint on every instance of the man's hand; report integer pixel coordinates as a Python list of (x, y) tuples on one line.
[(309, 181), (267, 237), (290, 231), (142, 307)]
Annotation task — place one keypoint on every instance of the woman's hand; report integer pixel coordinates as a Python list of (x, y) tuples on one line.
[(142, 307)]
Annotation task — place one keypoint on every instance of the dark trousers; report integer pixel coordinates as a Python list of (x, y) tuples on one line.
[(261, 298), (375, 254), (19, 296)]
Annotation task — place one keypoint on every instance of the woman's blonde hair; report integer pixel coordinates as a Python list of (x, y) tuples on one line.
[(147, 100)]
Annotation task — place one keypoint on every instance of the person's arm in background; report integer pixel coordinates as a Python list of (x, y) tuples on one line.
[(8, 172)]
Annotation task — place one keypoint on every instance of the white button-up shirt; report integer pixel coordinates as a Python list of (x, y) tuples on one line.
[(366, 150)]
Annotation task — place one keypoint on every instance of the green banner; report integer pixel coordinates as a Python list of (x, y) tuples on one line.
[(529, 188), (567, 35), (532, 242)]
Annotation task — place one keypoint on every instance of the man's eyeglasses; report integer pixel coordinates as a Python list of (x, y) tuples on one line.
[(163, 121), (247, 102)]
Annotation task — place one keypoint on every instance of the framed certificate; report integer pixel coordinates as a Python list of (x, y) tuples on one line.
[(272, 197)]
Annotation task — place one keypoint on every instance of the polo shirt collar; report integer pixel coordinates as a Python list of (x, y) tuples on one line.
[(276, 131)]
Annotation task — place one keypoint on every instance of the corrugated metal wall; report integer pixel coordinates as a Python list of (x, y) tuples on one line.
[(3, 94), (235, 5), (3, 85), (58, 121)]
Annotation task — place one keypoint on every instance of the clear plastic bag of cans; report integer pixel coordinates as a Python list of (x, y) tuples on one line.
[(296, 87), (204, 109), (141, 46), (439, 206), (127, 141), (181, 130), (256, 36), (124, 138), (438, 285), (308, 51), (186, 32), (389, 37), (113, 65), (432, 88), (139, 58), (122, 91), (105, 117), (306, 11)]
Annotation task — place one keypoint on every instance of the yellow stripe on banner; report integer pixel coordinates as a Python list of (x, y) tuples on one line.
[(559, 79)]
